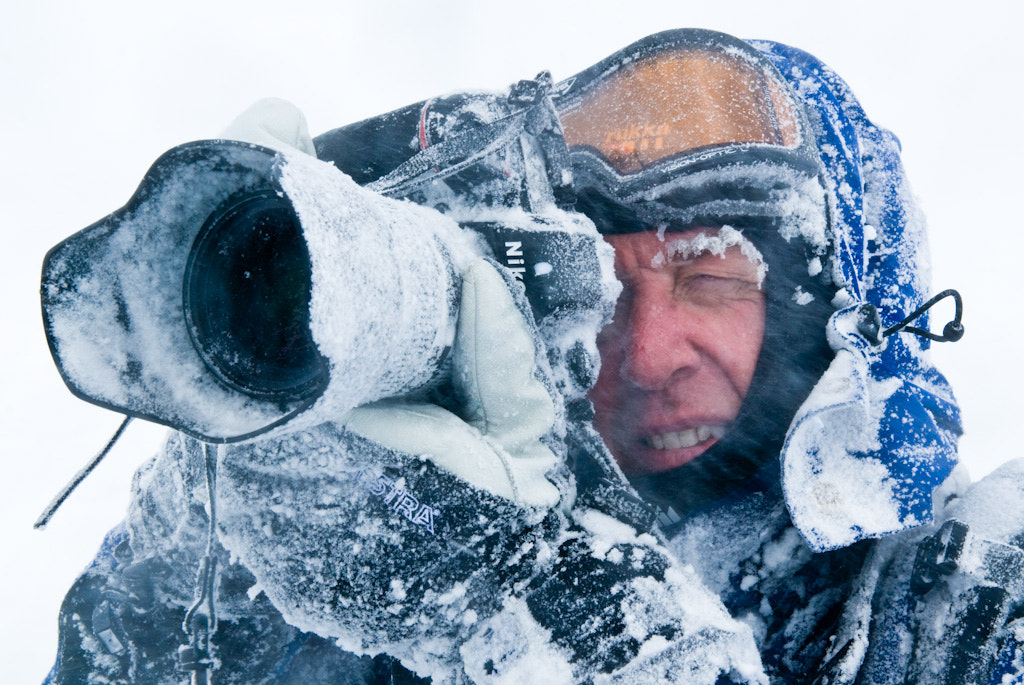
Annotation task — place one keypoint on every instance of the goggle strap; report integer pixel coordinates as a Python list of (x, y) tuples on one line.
[(439, 161)]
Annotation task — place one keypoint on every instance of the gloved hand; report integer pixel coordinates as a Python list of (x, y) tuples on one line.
[(443, 546), (508, 408)]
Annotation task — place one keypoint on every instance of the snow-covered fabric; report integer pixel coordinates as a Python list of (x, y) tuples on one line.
[(355, 549), (941, 603), (122, 620)]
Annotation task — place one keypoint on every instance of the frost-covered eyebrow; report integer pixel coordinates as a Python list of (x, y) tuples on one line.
[(716, 243)]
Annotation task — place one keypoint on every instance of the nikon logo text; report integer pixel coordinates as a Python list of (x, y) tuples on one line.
[(514, 259)]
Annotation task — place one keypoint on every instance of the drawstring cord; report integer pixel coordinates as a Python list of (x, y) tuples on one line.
[(201, 620), (66, 491), (869, 322)]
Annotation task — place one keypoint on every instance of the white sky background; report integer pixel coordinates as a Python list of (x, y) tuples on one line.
[(94, 92)]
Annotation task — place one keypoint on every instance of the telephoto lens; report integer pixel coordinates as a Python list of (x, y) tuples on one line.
[(241, 288)]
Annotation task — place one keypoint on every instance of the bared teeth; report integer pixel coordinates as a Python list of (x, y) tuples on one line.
[(687, 438)]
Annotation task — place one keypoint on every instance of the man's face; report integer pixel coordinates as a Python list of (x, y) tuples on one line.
[(678, 358)]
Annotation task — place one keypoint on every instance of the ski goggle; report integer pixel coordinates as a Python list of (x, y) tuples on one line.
[(683, 127)]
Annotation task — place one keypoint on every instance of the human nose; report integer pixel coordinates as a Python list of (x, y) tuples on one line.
[(659, 344)]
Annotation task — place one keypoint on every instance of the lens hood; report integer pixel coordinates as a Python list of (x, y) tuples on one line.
[(112, 300)]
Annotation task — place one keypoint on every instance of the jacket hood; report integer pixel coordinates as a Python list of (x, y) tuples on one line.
[(878, 433)]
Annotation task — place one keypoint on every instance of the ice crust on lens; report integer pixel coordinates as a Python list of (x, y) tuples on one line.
[(385, 285)]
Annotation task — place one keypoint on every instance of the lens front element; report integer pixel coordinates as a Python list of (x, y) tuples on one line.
[(246, 296)]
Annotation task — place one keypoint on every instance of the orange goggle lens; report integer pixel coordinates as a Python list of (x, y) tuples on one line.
[(677, 102)]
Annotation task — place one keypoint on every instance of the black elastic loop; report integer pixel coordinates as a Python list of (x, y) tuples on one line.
[(951, 332)]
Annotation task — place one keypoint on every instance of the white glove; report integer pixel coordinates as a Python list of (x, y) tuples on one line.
[(507, 408), (274, 123)]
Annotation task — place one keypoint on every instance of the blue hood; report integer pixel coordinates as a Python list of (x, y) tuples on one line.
[(878, 433)]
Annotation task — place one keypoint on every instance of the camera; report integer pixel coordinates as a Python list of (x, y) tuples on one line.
[(244, 289)]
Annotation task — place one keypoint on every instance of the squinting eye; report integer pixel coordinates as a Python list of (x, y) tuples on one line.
[(707, 290)]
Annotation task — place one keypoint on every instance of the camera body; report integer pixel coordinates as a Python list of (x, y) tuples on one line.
[(243, 289)]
